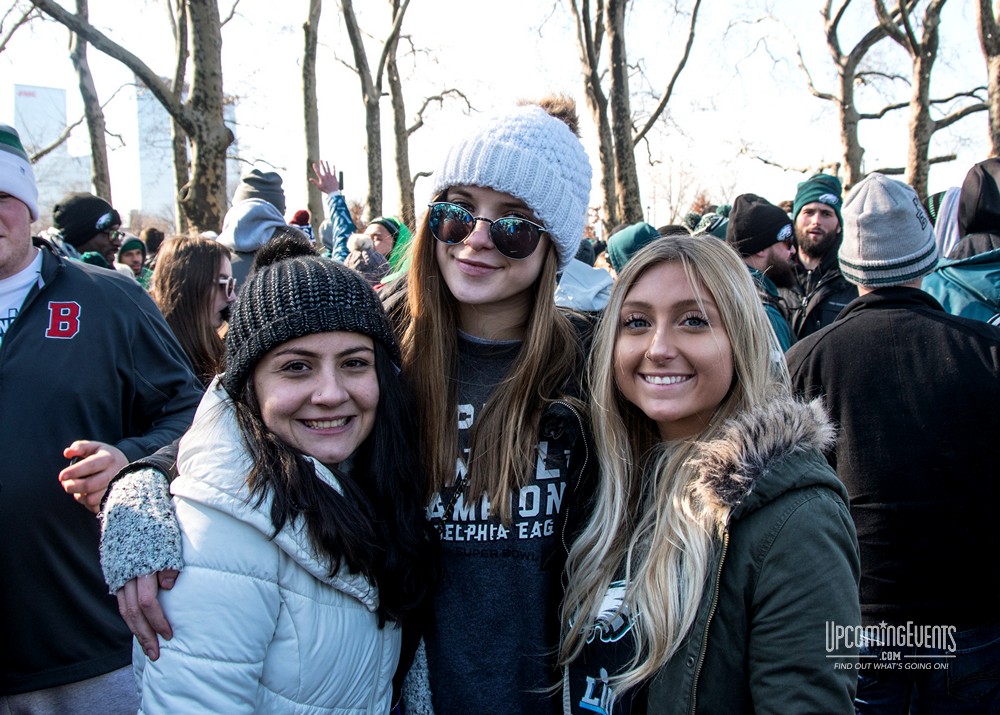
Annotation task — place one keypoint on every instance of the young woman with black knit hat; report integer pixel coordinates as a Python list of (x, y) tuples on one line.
[(300, 509), (497, 369)]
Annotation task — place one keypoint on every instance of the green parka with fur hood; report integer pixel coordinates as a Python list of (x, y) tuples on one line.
[(786, 566)]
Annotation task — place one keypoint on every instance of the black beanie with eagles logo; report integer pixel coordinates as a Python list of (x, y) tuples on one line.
[(755, 224)]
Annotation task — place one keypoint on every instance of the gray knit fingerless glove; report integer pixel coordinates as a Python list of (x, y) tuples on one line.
[(417, 685), (139, 531)]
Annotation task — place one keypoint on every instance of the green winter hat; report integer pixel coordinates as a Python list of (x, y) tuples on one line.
[(622, 245), (132, 243), (825, 189)]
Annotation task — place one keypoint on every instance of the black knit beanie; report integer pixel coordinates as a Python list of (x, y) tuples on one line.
[(79, 217), (257, 184), (755, 224), (296, 296)]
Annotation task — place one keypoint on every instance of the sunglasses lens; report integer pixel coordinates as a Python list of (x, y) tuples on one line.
[(514, 237), (450, 223)]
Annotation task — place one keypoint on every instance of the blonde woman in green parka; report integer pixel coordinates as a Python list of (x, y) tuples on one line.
[(720, 546)]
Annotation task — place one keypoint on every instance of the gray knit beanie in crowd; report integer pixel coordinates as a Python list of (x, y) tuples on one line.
[(265, 185), (296, 296), (530, 154), (888, 237)]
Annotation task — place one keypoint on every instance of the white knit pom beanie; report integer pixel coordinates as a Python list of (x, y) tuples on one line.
[(534, 156), (888, 237)]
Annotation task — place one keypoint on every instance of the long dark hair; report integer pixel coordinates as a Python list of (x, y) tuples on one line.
[(376, 527), (183, 288)]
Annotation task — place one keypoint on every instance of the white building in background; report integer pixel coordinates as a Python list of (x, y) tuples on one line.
[(154, 159), (140, 155), (40, 119)]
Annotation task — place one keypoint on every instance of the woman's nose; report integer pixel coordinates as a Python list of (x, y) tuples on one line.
[(480, 236), (661, 347), (328, 390)]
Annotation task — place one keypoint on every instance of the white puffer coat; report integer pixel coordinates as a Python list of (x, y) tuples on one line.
[(259, 626)]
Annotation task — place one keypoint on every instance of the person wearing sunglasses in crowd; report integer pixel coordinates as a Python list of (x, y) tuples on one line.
[(86, 225), (763, 235), (720, 547), (497, 369), (300, 504), (194, 287)]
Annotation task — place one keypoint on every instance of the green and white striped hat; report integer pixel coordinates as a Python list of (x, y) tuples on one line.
[(16, 175), (888, 237)]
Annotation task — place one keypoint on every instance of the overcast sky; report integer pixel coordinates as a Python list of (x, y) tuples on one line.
[(741, 90)]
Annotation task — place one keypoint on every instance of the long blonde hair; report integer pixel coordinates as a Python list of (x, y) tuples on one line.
[(505, 434), (648, 523)]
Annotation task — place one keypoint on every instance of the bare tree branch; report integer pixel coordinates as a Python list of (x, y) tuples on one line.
[(668, 93), (796, 169), (898, 170), (99, 40), (813, 90), (884, 111), (390, 43), (64, 135), (25, 18), (960, 114), (232, 13), (972, 93), (892, 77), (439, 98)]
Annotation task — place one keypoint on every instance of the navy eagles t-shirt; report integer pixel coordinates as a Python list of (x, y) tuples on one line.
[(492, 646)]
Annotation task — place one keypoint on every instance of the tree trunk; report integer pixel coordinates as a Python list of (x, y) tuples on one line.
[(371, 91), (589, 39), (853, 152), (203, 199), (993, 67), (178, 137), (921, 123), (626, 177), (311, 107), (989, 40), (100, 174), (407, 210)]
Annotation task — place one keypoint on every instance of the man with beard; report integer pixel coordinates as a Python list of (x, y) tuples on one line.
[(762, 234), (818, 292)]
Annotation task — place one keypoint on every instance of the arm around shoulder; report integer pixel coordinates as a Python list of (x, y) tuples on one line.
[(224, 608)]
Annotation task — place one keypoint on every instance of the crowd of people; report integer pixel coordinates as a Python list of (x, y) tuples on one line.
[(489, 465)]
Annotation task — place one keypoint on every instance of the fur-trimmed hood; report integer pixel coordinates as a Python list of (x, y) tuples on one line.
[(741, 469)]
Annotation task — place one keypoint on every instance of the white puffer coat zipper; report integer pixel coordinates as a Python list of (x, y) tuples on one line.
[(259, 625)]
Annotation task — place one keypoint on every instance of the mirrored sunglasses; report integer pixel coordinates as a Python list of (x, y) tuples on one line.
[(514, 237)]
